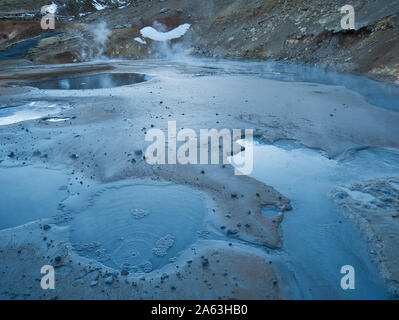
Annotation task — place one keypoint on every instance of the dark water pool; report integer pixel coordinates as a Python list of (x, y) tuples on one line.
[(89, 81)]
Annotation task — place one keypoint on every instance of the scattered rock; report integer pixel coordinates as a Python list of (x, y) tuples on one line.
[(124, 272), (93, 283), (164, 276), (232, 232), (204, 262), (109, 280)]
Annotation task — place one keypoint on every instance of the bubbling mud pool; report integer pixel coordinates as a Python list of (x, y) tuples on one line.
[(318, 240), (138, 227), (89, 81)]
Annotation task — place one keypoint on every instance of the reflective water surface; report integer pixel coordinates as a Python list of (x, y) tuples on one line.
[(89, 81)]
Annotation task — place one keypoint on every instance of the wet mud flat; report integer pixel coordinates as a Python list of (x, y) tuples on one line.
[(223, 247)]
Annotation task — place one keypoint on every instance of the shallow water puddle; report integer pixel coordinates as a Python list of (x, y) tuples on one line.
[(57, 119), (28, 193), (89, 81), (270, 211), (317, 238), (138, 227), (29, 111)]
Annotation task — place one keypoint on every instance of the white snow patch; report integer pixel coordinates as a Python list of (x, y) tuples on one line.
[(153, 34), (52, 8), (139, 40), (26, 15), (57, 119), (98, 6)]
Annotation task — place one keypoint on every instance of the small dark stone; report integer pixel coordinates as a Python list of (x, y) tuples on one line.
[(232, 232), (108, 280), (46, 227), (205, 262), (164, 276), (124, 272)]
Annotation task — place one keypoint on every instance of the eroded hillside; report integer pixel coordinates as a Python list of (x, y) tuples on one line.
[(296, 31)]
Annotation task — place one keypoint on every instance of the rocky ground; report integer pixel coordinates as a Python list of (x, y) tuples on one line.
[(374, 206), (301, 32)]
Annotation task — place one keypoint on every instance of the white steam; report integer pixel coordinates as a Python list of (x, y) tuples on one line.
[(95, 41)]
